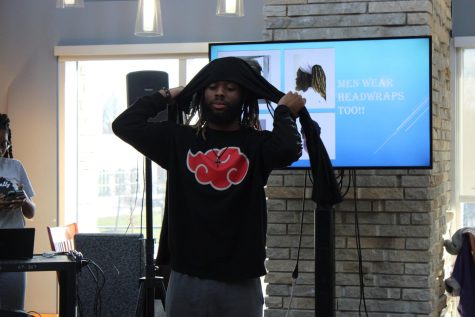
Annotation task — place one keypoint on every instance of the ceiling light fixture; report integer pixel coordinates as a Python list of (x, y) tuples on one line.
[(149, 18), (230, 8), (69, 3)]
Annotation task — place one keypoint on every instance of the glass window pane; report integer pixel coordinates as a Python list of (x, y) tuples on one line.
[(467, 128), (468, 215), (193, 66)]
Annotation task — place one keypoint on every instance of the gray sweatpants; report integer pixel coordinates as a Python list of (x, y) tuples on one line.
[(189, 296)]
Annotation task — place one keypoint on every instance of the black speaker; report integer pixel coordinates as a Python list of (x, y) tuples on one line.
[(143, 83), (113, 286)]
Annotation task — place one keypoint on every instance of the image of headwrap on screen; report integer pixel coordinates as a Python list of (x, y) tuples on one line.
[(229, 69)]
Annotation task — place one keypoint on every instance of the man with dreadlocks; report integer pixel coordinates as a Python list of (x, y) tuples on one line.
[(13, 210), (214, 229)]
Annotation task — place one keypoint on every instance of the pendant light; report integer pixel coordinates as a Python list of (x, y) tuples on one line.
[(149, 18), (230, 8), (69, 3)]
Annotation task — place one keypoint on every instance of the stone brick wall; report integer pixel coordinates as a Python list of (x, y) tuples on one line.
[(401, 212)]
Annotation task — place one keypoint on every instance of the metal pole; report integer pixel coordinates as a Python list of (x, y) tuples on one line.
[(149, 242)]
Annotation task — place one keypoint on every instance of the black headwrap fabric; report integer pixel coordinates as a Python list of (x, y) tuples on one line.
[(230, 69), (325, 189)]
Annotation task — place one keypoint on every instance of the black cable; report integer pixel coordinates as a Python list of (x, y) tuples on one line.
[(295, 272), (96, 276), (350, 177), (358, 249), (143, 195), (310, 176), (339, 177), (98, 299), (34, 312), (342, 178)]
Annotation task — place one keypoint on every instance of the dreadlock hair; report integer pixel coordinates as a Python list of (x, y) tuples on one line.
[(5, 125), (249, 112)]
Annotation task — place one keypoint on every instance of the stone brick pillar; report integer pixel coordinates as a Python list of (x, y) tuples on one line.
[(401, 212)]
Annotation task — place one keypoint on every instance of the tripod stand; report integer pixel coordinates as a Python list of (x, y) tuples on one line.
[(151, 282)]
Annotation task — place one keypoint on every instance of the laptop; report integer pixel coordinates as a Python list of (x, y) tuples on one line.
[(17, 243)]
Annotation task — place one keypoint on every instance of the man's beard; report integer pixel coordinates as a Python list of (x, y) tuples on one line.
[(224, 117)]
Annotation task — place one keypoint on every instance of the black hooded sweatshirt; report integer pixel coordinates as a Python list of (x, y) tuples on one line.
[(216, 208)]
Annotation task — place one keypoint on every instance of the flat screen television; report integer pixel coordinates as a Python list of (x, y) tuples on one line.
[(371, 97)]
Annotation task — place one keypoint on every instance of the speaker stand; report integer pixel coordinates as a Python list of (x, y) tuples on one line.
[(146, 300)]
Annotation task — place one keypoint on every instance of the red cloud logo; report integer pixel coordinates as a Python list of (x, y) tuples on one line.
[(219, 168)]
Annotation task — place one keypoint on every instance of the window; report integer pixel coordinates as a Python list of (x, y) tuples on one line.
[(463, 176), (468, 214), (467, 135), (104, 189), (102, 177), (465, 130)]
